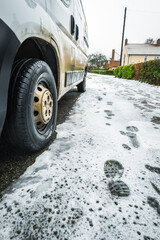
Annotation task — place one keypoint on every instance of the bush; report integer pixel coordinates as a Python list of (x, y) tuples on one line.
[(109, 72), (127, 71), (137, 70), (118, 72), (124, 72), (103, 72), (150, 72)]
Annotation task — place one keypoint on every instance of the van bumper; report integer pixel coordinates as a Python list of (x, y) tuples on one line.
[(9, 45)]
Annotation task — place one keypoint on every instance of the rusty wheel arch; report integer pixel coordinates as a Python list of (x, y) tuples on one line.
[(42, 50)]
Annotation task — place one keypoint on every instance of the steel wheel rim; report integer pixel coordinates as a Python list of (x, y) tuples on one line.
[(42, 106)]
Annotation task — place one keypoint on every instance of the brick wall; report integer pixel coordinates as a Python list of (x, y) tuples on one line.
[(110, 64)]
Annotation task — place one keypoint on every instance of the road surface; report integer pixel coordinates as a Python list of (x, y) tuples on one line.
[(100, 178)]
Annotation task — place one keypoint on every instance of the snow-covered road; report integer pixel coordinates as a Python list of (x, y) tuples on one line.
[(100, 178)]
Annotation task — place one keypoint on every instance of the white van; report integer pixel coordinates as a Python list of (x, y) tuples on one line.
[(43, 54)]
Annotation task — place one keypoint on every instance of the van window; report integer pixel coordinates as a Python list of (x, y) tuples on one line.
[(66, 2)]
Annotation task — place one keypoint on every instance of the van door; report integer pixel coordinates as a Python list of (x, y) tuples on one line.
[(79, 35), (61, 12)]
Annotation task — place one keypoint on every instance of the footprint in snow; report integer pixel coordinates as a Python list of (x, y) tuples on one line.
[(109, 113), (119, 188), (154, 204), (132, 129), (109, 103), (126, 146), (156, 188), (132, 136), (99, 98), (153, 169), (112, 169), (148, 238), (133, 139), (155, 119)]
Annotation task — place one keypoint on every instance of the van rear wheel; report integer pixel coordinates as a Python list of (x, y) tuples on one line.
[(32, 107), (81, 87)]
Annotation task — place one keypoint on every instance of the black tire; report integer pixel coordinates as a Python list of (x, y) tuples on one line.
[(20, 129), (81, 87)]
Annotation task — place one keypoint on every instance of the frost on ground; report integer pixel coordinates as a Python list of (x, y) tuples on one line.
[(100, 179)]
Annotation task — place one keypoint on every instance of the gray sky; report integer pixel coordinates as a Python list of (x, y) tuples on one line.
[(105, 22)]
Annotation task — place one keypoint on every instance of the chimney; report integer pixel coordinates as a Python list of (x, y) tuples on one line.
[(126, 41), (158, 41), (113, 54)]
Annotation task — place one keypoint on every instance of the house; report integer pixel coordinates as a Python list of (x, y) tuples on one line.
[(113, 62), (136, 52)]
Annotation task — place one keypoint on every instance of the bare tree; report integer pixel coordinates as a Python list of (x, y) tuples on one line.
[(150, 41), (97, 59)]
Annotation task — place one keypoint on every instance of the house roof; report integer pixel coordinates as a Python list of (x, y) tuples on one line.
[(143, 49)]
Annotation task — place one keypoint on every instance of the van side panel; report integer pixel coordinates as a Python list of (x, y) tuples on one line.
[(61, 15), (74, 52), (81, 50)]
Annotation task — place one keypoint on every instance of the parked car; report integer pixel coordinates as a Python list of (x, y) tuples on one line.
[(43, 54)]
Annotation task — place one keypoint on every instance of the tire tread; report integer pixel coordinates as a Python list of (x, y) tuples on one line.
[(15, 129)]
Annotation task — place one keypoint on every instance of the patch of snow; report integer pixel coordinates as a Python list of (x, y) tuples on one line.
[(65, 193)]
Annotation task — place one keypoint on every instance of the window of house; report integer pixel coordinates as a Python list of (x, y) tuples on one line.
[(145, 58), (156, 57), (66, 2)]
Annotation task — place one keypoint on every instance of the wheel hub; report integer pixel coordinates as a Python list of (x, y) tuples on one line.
[(42, 106)]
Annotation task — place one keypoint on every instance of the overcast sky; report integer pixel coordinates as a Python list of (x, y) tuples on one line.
[(105, 22)]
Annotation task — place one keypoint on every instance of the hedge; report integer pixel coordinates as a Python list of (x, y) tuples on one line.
[(118, 72), (148, 72), (127, 71), (137, 70), (103, 72), (124, 72)]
